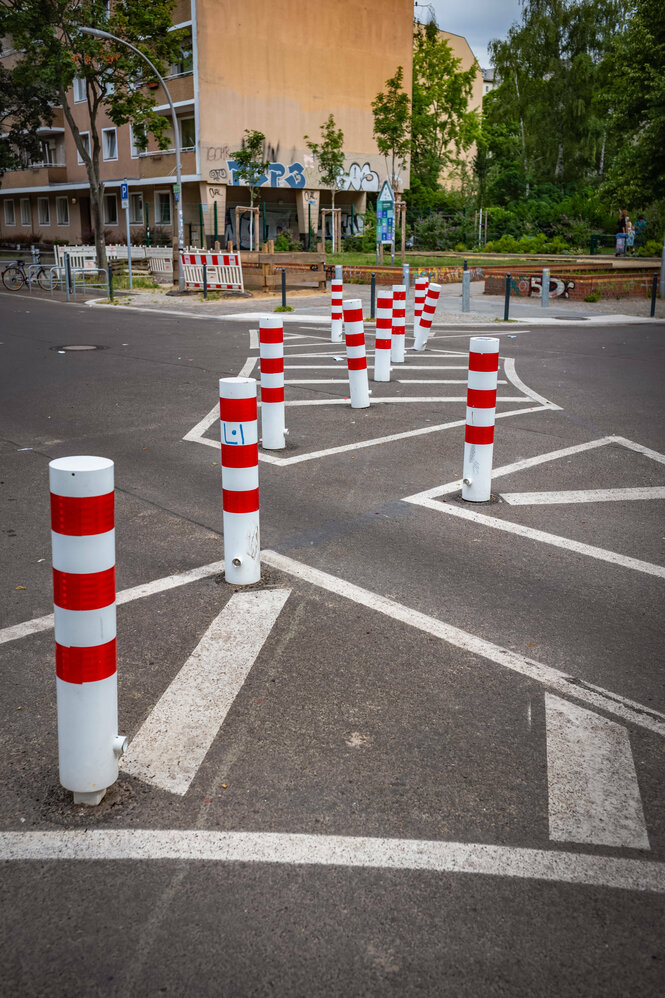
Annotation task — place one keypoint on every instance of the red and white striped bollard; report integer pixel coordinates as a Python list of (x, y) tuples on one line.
[(336, 317), (83, 546), (419, 295), (480, 418), (240, 480), (271, 350), (356, 357), (422, 329), (398, 323), (383, 343)]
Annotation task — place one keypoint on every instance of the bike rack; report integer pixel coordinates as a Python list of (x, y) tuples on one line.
[(83, 285)]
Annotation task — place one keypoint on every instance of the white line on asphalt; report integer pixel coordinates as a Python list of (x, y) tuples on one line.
[(631, 445), (583, 495), (514, 378), (38, 624), (173, 741), (406, 398), (253, 341), (406, 367), (196, 433), (400, 381), (555, 866), (562, 683), (594, 797)]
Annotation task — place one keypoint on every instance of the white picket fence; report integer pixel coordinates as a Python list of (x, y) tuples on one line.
[(160, 258)]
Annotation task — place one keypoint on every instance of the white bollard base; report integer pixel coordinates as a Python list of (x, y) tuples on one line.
[(382, 365), (87, 732), (397, 349), (91, 799), (242, 548), (419, 338), (272, 426), (477, 474), (336, 329), (359, 389)]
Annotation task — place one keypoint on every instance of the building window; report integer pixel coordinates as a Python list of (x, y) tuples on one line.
[(162, 208), (43, 211), (109, 143), (136, 209), (185, 62), (49, 152), (10, 215), (137, 140), (188, 133), (26, 214), (62, 211), (110, 209), (85, 139), (79, 90)]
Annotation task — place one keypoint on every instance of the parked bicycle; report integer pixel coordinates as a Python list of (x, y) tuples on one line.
[(15, 276)]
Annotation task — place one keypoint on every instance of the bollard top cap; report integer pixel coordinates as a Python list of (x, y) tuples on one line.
[(434, 287), (484, 344), (81, 476), (81, 463), (237, 388), (271, 322)]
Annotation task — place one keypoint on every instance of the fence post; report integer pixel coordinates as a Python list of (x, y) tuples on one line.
[(214, 212), (205, 280), (283, 287), (110, 281), (480, 418), (545, 288), (240, 480), (506, 300), (654, 289), (83, 545), (68, 276), (271, 350), (356, 355), (372, 297)]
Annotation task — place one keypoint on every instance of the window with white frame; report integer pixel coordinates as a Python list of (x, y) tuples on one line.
[(162, 208), (187, 133), (136, 209), (109, 143), (85, 139), (137, 140), (10, 214), (79, 90), (43, 211), (184, 64), (110, 209), (26, 214), (62, 211)]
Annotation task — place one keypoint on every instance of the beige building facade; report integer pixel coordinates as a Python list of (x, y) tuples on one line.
[(280, 68)]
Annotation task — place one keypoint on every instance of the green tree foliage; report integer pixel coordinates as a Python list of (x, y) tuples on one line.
[(392, 126), (53, 52), (251, 162), (24, 106), (442, 124), (330, 154)]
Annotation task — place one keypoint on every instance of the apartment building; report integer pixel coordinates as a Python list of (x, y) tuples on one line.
[(280, 67)]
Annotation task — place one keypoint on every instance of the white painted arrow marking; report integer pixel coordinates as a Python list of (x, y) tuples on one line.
[(583, 495), (593, 791), (176, 736)]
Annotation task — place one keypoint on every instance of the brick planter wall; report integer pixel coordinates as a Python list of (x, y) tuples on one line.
[(574, 287), (393, 275)]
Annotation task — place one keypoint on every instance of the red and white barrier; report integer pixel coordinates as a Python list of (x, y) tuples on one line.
[(336, 315), (480, 418), (223, 271), (271, 350), (398, 323), (383, 344), (419, 295), (422, 328), (356, 357), (83, 546), (240, 480)]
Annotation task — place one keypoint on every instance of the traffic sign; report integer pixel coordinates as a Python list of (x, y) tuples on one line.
[(385, 215), (124, 194)]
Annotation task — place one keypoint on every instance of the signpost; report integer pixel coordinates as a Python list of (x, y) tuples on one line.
[(385, 220), (124, 201)]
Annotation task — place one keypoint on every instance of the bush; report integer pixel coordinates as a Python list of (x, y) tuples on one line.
[(285, 243), (592, 296), (651, 248), (460, 248)]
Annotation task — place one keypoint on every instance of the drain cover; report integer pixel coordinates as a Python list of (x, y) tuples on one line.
[(77, 346)]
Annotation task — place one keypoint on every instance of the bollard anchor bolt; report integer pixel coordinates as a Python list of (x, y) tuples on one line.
[(120, 745), (467, 481), (237, 562)]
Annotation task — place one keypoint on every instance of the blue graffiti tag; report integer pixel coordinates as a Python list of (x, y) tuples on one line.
[(277, 175), (234, 433)]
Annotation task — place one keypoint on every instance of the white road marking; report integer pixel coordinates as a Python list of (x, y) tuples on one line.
[(440, 381), (38, 624), (405, 398), (173, 741), (593, 792), (555, 866), (582, 495), (513, 377), (408, 367), (253, 342), (595, 696)]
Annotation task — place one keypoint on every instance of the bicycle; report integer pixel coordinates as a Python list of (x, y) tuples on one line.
[(14, 277)]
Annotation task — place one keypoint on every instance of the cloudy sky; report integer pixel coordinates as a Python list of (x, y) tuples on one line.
[(477, 20)]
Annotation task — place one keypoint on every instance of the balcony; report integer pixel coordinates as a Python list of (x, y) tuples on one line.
[(39, 175), (161, 163)]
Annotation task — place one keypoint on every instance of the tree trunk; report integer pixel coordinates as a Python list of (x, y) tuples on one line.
[(602, 155)]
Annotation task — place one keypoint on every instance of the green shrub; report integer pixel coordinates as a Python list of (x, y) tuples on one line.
[(592, 296), (460, 248), (285, 243), (651, 248)]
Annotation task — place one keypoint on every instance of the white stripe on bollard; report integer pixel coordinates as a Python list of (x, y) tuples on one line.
[(83, 545), (271, 350), (480, 417), (422, 330), (336, 317), (419, 295), (384, 308), (356, 357), (240, 480), (398, 323)]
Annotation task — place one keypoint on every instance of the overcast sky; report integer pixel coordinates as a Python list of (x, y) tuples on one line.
[(478, 20)]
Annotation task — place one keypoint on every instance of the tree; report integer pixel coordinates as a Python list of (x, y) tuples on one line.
[(330, 154), (392, 126), (24, 106), (250, 167), (53, 53), (442, 124)]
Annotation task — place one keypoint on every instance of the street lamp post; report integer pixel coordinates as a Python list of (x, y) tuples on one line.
[(98, 33)]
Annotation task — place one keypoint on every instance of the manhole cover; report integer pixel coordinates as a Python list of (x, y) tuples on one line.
[(77, 346)]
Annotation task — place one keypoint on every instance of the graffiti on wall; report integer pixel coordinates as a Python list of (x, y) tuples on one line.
[(294, 175), (277, 175), (359, 178), (560, 287)]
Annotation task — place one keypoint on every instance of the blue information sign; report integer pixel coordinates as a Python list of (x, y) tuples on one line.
[(124, 194), (385, 215)]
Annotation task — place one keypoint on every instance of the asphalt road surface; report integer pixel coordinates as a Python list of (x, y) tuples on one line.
[(425, 754)]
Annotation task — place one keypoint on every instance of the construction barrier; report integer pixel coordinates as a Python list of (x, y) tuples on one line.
[(356, 357), (398, 323), (271, 350), (480, 418), (336, 318), (240, 480), (224, 270), (383, 344), (83, 546), (422, 329)]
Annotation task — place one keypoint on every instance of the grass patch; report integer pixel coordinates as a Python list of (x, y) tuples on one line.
[(283, 308), (593, 296), (121, 281)]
